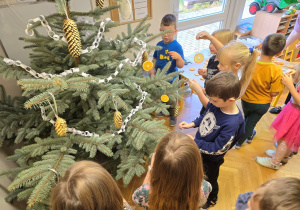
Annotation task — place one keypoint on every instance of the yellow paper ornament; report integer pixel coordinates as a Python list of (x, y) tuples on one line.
[(73, 38), (118, 119), (61, 127), (177, 109), (144, 57), (100, 3), (164, 98), (147, 65)]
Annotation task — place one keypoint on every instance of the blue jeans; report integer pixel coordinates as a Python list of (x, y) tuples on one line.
[(252, 113)]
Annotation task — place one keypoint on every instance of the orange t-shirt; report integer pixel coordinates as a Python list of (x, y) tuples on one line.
[(266, 78)]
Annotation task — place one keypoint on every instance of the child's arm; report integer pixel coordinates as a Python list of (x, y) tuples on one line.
[(216, 43), (287, 80), (152, 71), (186, 125), (175, 56), (273, 94), (194, 85)]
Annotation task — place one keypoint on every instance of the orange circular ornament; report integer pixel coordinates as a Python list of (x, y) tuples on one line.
[(164, 98), (199, 57), (147, 65)]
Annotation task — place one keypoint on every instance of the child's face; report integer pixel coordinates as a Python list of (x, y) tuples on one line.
[(212, 49), (168, 37), (225, 65), (218, 102)]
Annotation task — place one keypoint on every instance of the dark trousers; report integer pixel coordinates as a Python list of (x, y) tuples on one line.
[(252, 114), (211, 171)]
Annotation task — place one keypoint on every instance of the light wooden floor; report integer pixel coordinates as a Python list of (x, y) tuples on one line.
[(239, 173)]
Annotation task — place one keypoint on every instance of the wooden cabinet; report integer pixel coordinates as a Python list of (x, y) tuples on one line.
[(267, 23)]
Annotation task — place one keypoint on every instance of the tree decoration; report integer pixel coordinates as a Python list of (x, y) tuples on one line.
[(118, 119), (61, 127), (73, 37), (198, 58), (177, 109), (164, 98), (147, 65), (100, 3), (144, 57)]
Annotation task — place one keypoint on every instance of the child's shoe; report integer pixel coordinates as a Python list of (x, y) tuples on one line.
[(209, 204), (249, 140), (237, 146), (173, 120), (271, 154), (160, 114), (267, 162)]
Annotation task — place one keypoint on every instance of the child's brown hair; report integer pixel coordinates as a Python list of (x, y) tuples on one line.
[(86, 185), (177, 174), (169, 20), (223, 85)]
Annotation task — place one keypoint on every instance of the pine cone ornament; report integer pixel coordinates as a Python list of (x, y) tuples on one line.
[(100, 3), (177, 109), (72, 37), (144, 57), (61, 127), (118, 119)]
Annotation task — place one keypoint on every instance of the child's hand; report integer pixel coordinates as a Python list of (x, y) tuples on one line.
[(203, 35), (202, 71), (194, 85), (174, 55), (184, 125), (287, 80)]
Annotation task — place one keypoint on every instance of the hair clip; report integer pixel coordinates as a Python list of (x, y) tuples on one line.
[(251, 50)]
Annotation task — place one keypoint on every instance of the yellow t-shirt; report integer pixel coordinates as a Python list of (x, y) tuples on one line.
[(266, 78)]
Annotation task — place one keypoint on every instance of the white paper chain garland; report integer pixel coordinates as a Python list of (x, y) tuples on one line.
[(124, 123)]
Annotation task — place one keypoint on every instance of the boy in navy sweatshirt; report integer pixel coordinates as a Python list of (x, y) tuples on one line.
[(220, 126)]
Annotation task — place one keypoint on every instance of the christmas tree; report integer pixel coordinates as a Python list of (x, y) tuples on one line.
[(82, 98)]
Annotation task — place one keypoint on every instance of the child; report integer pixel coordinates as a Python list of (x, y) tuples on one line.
[(175, 176), (287, 126), (265, 84), (237, 56), (86, 185), (224, 36), (170, 50), (276, 194), (219, 127)]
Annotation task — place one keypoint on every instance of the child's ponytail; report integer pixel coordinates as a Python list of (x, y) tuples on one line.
[(248, 70)]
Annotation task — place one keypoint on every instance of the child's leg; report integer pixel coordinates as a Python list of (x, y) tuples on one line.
[(211, 171), (282, 151), (253, 113)]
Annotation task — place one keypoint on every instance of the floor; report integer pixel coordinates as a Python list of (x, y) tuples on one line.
[(240, 173)]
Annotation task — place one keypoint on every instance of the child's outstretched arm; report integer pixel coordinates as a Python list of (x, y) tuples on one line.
[(287, 80), (195, 86), (186, 125), (204, 35), (176, 56), (152, 71)]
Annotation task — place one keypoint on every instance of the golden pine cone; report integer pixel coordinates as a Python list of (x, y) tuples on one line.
[(118, 119), (177, 109), (100, 3), (144, 57), (72, 37), (61, 127)]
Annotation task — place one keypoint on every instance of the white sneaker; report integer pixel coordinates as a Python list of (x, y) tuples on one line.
[(271, 153), (267, 162)]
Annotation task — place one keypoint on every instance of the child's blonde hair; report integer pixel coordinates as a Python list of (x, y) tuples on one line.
[(280, 193), (237, 52), (177, 174), (223, 35), (86, 185)]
